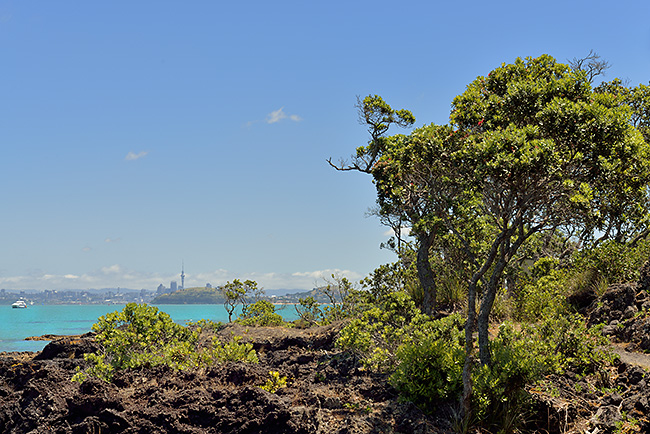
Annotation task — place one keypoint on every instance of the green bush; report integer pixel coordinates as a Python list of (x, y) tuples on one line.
[(613, 261), (525, 357), (376, 335), (309, 311), (260, 313), (430, 362), (232, 351), (140, 336), (543, 296)]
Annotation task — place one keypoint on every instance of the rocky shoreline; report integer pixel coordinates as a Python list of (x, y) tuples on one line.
[(327, 391)]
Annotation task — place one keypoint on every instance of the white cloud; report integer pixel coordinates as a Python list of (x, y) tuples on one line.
[(276, 116), (326, 274), (279, 114), (111, 240), (70, 276), (111, 269), (131, 156)]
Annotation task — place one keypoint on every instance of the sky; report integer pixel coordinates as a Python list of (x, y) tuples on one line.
[(141, 137)]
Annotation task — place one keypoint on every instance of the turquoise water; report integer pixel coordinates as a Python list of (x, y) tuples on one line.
[(17, 324)]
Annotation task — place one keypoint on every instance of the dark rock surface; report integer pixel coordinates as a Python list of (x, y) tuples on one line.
[(326, 393)]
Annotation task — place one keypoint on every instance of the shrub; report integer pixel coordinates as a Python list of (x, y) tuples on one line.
[(275, 382), (613, 261), (233, 351), (543, 296), (525, 357), (260, 313), (140, 336), (430, 362), (309, 311), (381, 329)]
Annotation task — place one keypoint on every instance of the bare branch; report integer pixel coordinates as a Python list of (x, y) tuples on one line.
[(591, 65)]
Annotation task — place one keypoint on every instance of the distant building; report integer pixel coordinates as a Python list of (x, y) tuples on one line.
[(173, 286), (161, 290)]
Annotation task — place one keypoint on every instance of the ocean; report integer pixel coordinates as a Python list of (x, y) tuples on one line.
[(38, 320)]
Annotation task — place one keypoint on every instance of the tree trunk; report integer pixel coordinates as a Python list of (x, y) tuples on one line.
[(425, 274), (487, 301), (469, 350)]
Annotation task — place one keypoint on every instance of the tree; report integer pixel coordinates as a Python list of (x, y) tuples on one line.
[(237, 292), (378, 116), (373, 158), (546, 152), (420, 184), (531, 149)]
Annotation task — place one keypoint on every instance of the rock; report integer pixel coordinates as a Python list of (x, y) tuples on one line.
[(69, 347), (36, 394), (607, 417), (630, 311), (615, 399), (610, 330)]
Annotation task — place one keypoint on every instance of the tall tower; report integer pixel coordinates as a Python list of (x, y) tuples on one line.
[(183, 276)]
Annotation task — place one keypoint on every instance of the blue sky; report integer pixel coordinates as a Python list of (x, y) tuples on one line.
[(138, 135)]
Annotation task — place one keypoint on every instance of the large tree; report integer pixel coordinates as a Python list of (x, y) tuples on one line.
[(531, 148), (547, 152)]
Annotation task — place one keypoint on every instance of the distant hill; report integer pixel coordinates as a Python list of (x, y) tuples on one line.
[(198, 295), (317, 293)]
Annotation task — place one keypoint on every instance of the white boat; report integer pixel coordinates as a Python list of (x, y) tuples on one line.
[(20, 304)]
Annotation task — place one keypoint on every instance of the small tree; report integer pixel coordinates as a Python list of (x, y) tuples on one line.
[(238, 292)]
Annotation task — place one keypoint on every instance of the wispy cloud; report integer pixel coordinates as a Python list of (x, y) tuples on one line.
[(132, 156), (112, 240), (279, 114), (276, 116)]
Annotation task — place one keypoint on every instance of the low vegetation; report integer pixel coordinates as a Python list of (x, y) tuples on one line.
[(140, 336)]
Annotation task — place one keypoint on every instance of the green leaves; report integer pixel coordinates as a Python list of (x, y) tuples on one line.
[(140, 336), (238, 292)]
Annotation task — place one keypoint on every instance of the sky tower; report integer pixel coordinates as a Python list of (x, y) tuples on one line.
[(183, 275)]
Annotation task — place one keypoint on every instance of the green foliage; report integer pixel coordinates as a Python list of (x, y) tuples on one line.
[(232, 351), (260, 313), (275, 382), (140, 336), (205, 324), (376, 335), (238, 292), (614, 261), (309, 311), (430, 362), (544, 288), (525, 357), (543, 295)]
